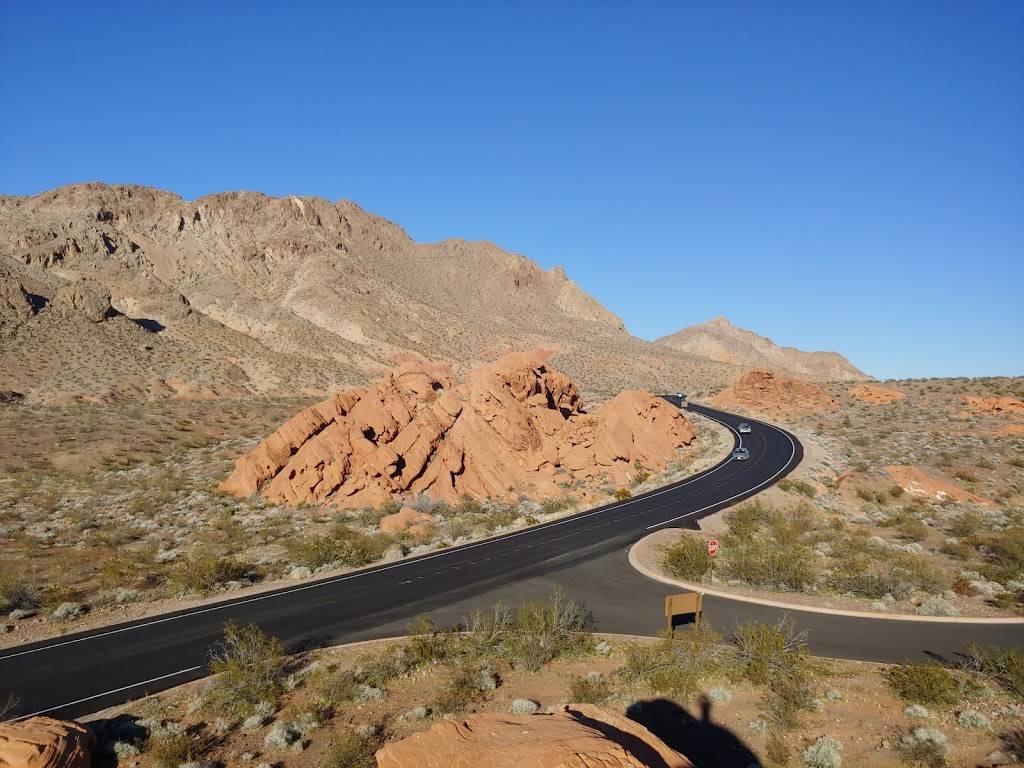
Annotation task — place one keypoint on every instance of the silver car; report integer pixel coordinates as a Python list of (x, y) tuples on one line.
[(741, 454), (744, 428)]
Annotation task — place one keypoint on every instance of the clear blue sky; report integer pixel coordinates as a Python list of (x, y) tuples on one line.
[(843, 176)]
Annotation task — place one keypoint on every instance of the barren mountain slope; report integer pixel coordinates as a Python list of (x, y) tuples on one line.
[(243, 292), (723, 342)]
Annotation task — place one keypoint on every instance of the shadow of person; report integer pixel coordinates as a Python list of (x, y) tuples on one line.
[(707, 744)]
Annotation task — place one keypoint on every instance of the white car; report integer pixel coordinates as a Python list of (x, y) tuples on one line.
[(744, 428), (741, 454)]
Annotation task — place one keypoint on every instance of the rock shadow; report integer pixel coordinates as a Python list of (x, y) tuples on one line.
[(705, 742)]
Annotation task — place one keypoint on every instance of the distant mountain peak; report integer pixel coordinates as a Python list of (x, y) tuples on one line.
[(720, 340)]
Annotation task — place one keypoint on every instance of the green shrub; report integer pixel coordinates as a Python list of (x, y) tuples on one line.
[(546, 630), (676, 665), (923, 746), (1005, 558), (926, 683), (787, 696), (205, 571), (377, 670), (621, 494), (335, 687), (429, 644), (249, 669), (350, 750), (687, 558), (342, 545), (766, 652), (966, 524), (912, 528), (764, 561), (555, 506), (169, 748), (461, 690)]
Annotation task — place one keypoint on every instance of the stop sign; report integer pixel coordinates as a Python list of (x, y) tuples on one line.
[(713, 547)]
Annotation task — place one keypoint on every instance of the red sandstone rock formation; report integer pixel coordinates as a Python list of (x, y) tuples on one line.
[(766, 393), (577, 736), (41, 742), (514, 426), (875, 394)]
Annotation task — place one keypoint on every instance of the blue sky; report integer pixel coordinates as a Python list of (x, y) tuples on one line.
[(843, 176)]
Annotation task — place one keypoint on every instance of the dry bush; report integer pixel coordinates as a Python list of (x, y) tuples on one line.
[(686, 558), (250, 669), (926, 683)]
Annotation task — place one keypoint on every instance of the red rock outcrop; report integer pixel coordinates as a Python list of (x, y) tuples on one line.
[(994, 406), (576, 736), (918, 482), (764, 392), (513, 426), (41, 742), (407, 520), (875, 394)]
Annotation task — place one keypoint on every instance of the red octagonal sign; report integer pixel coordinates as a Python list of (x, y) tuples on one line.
[(713, 547)]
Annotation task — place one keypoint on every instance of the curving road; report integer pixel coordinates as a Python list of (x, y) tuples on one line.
[(585, 553)]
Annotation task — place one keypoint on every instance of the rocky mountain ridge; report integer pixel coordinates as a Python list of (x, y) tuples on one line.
[(247, 293), (720, 341)]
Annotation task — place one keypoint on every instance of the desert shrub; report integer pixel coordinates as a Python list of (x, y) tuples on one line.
[(925, 683), (555, 506), (546, 630), (900, 575), (1005, 558), (745, 520), (169, 747), (686, 558), (965, 524), (461, 690), (7, 706), (205, 571), (923, 746), (825, 752), (342, 544), (428, 644), (896, 491), (913, 529), (765, 652), (17, 592), (334, 686), (590, 689), (801, 487), (249, 669), (352, 750), (787, 696), (621, 494), (675, 665), (1006, 668), (377, 670)]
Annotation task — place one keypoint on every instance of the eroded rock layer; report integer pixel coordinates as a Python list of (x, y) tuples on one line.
[(576, 736), (514, 426)]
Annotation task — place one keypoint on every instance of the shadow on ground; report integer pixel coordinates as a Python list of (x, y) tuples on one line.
[(706, 743)]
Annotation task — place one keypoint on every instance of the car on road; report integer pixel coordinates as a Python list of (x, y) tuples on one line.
[(741, 454), (744, 428)]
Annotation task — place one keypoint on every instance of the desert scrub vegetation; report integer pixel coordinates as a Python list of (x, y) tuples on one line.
[(250, 670), (927, 683)]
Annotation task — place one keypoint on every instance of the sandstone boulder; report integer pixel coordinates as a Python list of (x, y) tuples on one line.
[(83, 299), (41, 742), (764, 392), (407, 520), (514, 426), (576, 736), (875, 394)]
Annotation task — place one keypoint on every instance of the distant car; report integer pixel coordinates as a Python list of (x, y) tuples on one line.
[(741, 454), (744, 428)]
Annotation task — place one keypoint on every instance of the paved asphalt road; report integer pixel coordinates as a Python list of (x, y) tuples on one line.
[(586, 554)]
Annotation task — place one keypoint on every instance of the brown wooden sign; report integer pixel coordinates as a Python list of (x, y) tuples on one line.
[(684, 604)]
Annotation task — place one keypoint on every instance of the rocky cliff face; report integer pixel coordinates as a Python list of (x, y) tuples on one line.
[(723, 342), (514, 426), (244, 292)]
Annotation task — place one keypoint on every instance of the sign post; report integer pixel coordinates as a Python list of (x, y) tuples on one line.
[(686, 603), (713, 552)]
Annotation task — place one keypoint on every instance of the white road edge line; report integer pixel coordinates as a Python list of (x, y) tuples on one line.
[(346, 577), (744, 493), (107, 693)]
